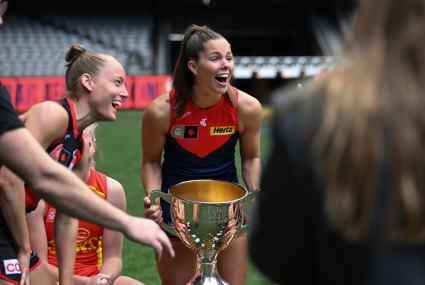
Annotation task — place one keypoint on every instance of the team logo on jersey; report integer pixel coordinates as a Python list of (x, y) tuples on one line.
[(60, 154), (222, 130), (185, 132)]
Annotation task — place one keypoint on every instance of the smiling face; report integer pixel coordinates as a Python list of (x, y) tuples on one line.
[(108, 91), (214, 68)]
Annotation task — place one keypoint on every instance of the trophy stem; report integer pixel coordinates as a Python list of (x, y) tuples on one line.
[(206, 270)]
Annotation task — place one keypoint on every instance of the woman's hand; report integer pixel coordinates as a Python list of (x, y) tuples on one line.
[(153, 212), (98, 279)]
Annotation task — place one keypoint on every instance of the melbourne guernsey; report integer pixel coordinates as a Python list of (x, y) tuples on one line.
[(67, 150), (200, 144)]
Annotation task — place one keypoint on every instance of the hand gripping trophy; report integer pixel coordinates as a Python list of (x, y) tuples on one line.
[(206, 215)]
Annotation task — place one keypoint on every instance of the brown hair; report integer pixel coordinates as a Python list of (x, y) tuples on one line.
[(372, 135), (192, 44), (79, 61)]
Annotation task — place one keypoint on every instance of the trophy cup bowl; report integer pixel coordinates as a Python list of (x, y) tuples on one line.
[(206, 215)]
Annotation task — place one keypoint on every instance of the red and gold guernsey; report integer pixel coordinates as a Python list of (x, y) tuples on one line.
[(200, 144), (89, 244), (67, 150)]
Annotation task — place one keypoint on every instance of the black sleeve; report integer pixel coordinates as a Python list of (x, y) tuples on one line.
[(281, 233), (8, 117)]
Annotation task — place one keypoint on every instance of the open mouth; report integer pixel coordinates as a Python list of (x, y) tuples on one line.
[(116, 103), (222, 78)]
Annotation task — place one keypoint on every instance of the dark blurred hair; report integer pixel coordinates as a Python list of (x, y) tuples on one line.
[(372, 134), (192, 44)]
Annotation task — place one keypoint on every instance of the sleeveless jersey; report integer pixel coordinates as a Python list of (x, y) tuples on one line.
[(200, 144), (67, 150), (89, 244)]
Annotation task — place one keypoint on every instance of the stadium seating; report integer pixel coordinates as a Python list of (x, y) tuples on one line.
[(35, 45)]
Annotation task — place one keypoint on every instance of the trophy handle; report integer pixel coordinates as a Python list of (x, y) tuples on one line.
[(152, 197), (248, 200)]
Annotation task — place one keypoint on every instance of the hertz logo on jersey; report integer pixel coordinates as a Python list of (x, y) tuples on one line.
[(219, 131)]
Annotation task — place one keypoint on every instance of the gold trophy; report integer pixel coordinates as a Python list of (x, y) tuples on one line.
[(206, 215)]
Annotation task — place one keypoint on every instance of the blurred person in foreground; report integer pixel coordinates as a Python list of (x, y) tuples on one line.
[(99, 251), (197, 125), (22, 153), (3, 9), (343, 191)]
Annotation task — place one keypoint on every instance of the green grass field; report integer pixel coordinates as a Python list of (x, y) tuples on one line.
[(120, 142)]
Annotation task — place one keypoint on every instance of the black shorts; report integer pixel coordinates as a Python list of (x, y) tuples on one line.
[(9, 267)]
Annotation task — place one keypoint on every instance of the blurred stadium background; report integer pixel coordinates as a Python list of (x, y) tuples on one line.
[(275, 43)]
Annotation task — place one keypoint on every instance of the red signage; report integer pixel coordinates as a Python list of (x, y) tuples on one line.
[(27, 91)]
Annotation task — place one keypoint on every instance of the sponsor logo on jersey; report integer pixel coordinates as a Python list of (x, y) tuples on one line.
[(82, 235), (89, 245), (222, 130), (203, 122), (185, 132), (11, 266)]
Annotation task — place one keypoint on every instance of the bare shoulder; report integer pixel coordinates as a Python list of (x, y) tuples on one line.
[(114, 185), (116, 194), (46, 121), (158, 113), (249, 107), (46, 110), (159, 108)]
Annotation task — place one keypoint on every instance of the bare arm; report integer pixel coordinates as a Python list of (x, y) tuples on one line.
[(63, 189), (47, 122), (66, 231), (12, 196), (12, 204), (155, 124), (38, 237), (249, 122), (39, 243), (112, 240)]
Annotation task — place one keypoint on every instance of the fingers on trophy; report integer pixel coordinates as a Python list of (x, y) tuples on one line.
[(206, 215)]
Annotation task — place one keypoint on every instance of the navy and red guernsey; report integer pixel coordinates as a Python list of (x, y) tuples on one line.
[(200, 144), (67, 150)]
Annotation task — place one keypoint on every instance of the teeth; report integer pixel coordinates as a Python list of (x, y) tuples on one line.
[(223, 75), (116, 103)]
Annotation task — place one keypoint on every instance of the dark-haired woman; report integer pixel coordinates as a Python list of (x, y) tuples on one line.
[(182, 124)]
